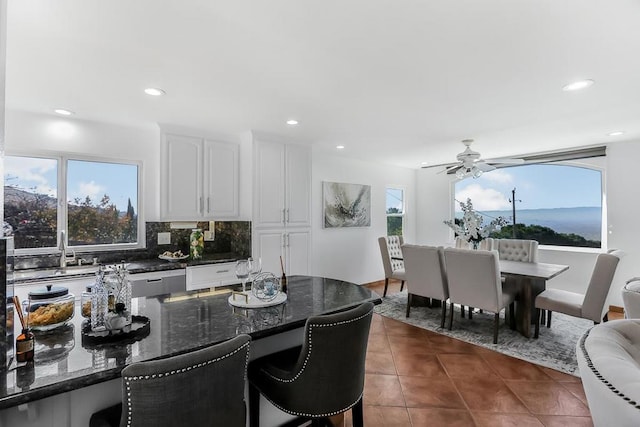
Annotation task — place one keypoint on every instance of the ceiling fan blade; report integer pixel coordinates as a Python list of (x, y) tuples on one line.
[(450, 169), (446, 165), (484, 167), (505, 161)]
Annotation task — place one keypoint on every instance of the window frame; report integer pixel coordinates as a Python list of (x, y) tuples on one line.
[(595, 163), (404, 207), (62, 214)]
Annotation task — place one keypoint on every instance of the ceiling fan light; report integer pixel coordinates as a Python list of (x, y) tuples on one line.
[(461, 173), (477, 172)]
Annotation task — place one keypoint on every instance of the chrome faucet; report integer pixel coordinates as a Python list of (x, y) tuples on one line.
[(64, 258)]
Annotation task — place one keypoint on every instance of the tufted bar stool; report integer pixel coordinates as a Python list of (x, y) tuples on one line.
[(390, 248), (202, 387), (324, 377)]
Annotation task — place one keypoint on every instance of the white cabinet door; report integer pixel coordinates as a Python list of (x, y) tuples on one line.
[(181, 177), (292, 246), (298, 186), (221, 179), (269, 245), (282, 185), (297, 250), (269, 184), (199, 179)]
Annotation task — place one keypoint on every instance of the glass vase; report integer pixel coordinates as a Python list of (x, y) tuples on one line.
[(196, 244)]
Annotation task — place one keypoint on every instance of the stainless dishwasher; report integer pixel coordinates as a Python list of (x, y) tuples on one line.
[(157, 283)]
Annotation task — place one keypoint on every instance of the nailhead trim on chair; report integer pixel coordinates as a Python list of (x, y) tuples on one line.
[(599, 375), (128, 380), (304, 365), (311, 326), (303, 414)]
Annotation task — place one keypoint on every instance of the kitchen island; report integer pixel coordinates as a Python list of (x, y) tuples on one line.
[(71, 380)]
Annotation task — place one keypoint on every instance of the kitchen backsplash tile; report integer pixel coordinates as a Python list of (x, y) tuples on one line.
[(232, 237)]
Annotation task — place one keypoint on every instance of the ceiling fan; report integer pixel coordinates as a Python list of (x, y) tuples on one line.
[(470, 164)]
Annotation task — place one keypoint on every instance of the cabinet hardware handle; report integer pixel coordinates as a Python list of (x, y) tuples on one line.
[(222, 271), (201, 204), (209, 204), (154, 280), (287, 215), (283, 216)]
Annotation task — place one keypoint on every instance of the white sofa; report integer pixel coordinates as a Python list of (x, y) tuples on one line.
[(609, 359)]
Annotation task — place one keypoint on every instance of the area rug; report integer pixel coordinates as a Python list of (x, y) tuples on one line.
[(555, 348)]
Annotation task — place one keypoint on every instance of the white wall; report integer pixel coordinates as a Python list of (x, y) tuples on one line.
[(623, 205), (29, 132), (352, 254)]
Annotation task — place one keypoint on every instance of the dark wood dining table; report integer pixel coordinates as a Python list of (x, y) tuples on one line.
[(532, 278)]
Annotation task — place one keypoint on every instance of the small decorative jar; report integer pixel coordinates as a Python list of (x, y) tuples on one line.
[(85, 302), (196, 244)]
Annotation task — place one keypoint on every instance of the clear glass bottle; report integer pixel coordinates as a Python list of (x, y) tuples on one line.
[(118, 316), (99, 302)]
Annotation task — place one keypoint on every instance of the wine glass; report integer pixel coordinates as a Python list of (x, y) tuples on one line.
[(256, 268), (243, 268)]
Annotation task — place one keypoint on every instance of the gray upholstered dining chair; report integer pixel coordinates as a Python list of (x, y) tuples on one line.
[(586, 306), (322, 378), (390, 248), (202, 387), (426, 275), (517, 249), (474, 280)]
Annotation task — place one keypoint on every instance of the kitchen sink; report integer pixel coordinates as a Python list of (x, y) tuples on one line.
[(45, 273)]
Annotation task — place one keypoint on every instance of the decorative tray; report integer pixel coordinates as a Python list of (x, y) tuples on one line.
[(140, 328), (248, 300), (173, 258)]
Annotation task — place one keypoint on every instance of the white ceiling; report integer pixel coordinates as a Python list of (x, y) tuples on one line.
[(398, 82)]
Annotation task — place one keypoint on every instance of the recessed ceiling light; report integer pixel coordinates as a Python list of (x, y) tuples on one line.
[(340, 147), (63, 112), (616, 133), (154, 91), (580, 84), (424, 163), (292, 122)]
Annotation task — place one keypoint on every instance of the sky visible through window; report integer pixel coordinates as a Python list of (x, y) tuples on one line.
[(394, 199), (565, 199), (85, 178), (537, 187)]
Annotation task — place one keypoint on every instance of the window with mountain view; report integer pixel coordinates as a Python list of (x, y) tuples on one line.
[(101, 206), (555, 204), (395, 211)]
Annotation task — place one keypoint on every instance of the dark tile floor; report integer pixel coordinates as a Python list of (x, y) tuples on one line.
[(416, 377)]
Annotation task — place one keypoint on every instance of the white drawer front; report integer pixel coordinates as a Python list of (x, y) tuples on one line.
[(211, 276)]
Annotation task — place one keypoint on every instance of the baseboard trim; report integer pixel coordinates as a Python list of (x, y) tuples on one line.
[(376, 283)]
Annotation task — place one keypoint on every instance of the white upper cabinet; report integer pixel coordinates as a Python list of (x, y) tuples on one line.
[(199, 179), (282, 185)]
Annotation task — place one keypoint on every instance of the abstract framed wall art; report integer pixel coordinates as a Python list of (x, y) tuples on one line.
[(346, 205)]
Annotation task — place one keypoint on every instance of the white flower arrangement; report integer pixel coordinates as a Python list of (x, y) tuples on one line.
[(470, 227)]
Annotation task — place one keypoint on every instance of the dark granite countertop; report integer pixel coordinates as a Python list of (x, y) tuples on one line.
[(179, 323), (142, 266)]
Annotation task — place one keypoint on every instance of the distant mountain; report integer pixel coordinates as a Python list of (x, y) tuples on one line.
[(583, 221), (14, 195)]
